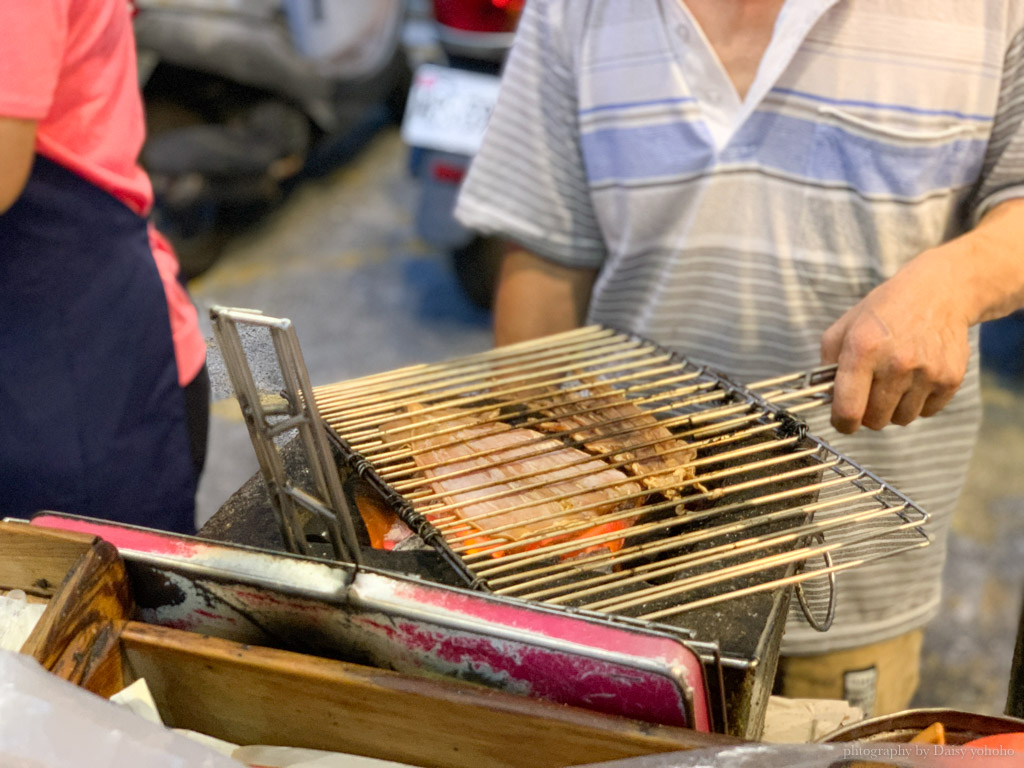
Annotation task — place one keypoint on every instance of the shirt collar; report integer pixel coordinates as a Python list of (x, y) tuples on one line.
[(723, 111)]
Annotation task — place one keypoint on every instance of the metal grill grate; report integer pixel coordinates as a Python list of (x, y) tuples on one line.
[(596, 470)]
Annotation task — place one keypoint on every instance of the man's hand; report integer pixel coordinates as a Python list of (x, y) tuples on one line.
[(902, 352)]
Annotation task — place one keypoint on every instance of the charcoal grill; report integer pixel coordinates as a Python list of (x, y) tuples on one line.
[(701, 490)]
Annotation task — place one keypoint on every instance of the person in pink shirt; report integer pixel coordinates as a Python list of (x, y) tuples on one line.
[(100, 348)]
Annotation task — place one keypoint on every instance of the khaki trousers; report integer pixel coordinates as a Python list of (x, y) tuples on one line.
[(880, 678)]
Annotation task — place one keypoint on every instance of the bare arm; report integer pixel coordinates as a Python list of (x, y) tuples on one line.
[(17, 149), (903, 350), (536, 297)]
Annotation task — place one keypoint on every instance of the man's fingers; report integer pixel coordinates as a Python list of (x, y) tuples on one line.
[(889, 400), (894, 388), (850, 395), (832, 342), (911, 405), (936, 402), (852, 383)]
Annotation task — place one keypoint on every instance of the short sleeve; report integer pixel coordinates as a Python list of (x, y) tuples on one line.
[(528, 182), (31, 55), (1002, 175)]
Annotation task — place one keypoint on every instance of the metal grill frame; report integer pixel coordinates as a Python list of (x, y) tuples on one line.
[(801, 392), (760, 403)]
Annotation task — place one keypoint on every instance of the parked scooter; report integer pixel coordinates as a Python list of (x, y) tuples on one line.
[(449, 104), (243, 97)]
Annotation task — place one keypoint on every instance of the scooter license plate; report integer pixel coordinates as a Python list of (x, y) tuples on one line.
[(448, 109)]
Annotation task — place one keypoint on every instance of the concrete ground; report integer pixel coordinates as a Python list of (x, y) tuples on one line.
[(340, 259), (968, 648)]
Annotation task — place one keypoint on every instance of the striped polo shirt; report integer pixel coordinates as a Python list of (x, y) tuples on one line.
[(736, 231)]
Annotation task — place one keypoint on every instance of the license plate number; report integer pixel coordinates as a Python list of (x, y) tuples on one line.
[(448, 109)]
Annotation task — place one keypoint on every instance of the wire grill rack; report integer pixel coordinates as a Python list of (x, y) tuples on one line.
[(649, 486)]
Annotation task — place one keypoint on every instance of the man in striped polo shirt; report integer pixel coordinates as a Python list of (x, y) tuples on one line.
[(763, 185)]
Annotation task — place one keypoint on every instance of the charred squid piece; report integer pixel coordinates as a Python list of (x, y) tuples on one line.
[(491, 486), (607, 424)]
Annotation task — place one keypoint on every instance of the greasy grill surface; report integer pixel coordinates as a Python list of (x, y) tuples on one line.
[(596, 470)]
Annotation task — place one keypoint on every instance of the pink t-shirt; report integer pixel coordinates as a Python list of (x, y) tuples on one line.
[(70, 66)]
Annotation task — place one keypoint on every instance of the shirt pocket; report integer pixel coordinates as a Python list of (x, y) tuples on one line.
[(878, 192), (884, 158)]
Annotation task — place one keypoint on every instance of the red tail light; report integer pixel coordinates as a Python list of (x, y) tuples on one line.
[(479, 15), (448, 173)]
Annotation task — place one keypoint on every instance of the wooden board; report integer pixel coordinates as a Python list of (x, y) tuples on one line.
[(84, 582), (250, 695), (36, 560)]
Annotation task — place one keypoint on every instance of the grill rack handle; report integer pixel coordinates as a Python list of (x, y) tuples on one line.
[(830, 611), (815, 386)]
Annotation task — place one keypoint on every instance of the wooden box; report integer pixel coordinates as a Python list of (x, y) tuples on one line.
[(252, 695)]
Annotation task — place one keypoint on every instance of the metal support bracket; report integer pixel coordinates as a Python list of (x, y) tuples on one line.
[(267, 419)]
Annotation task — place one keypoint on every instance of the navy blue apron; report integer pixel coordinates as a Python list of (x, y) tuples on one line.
[(92, 419)]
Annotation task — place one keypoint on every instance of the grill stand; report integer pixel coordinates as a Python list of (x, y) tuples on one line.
[(747, 627)]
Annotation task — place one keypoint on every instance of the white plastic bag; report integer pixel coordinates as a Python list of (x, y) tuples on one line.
[(18, 617), (46, 722)]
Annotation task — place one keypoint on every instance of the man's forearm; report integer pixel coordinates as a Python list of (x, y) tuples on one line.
[(987, 263), (536, 297)]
